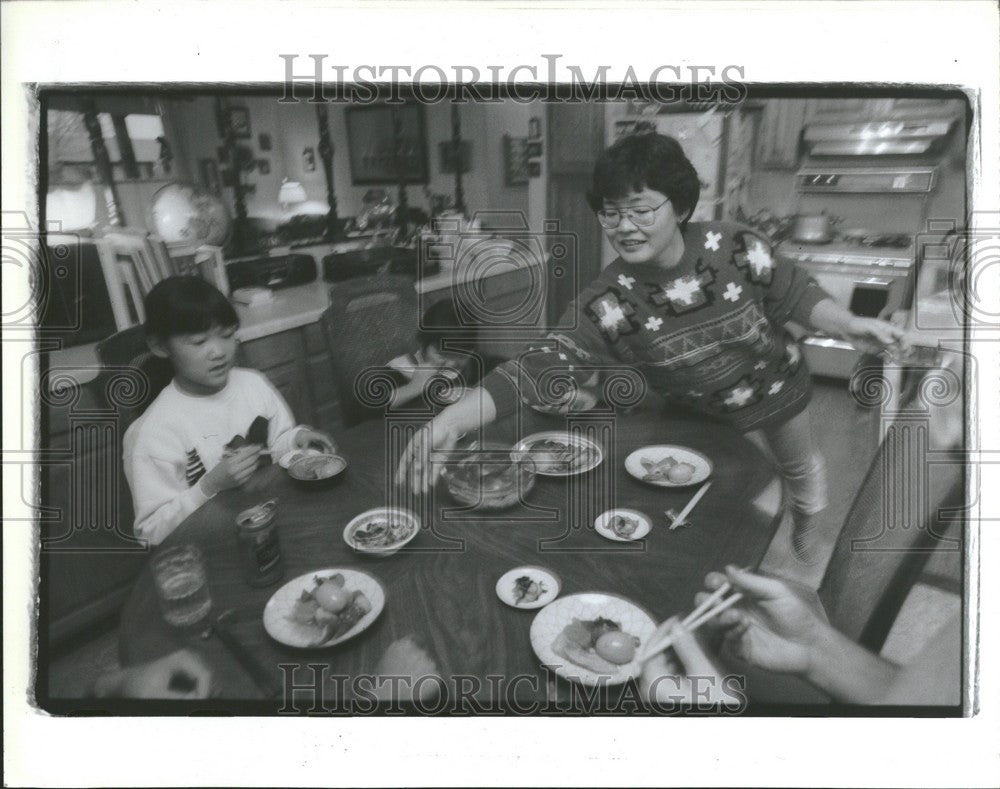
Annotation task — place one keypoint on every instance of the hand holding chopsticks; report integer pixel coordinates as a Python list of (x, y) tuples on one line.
[(711, 607)]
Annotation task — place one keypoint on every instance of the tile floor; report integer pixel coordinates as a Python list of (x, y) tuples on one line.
[(848, 453)]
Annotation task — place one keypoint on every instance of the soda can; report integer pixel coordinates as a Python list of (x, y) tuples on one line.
[(257, 530)]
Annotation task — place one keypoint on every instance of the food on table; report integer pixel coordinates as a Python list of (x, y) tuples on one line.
[(318, 467), (330, 607), (667, 469), (487, 477), (578, 643), (555, 455), (623, 525), (381, 532), (528, 590)]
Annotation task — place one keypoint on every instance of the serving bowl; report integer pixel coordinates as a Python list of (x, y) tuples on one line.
[(317, 471), (486, 477), (381, 531)]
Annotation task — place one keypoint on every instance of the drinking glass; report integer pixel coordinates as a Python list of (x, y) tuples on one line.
[(182, 586)]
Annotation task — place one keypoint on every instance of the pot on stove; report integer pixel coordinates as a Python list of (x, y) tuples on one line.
[(813, 228)]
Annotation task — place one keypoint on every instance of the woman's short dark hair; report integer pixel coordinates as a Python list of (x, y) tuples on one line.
[(646, 161), (186, 305)]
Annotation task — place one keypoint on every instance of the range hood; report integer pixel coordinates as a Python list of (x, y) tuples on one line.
[(877, 138)]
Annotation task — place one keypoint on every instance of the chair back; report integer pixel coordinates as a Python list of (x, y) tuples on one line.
[(131, 267), (910, 502), (128, 349), (370, 321)]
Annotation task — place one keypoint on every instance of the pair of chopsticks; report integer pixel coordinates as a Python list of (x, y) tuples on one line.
[(678, 520), (711, 607)]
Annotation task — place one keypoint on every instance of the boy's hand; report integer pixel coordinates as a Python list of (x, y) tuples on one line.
[(234, 470), (874, 336), (307, 436)]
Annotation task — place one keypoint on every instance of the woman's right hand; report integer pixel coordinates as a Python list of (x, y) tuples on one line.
[(234, 470), (417, 468)]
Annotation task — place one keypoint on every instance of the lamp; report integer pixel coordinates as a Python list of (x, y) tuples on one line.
[(290, 194), (75, 208)]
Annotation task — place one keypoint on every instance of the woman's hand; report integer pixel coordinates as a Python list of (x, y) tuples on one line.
[(874, 336), (772, 627), (417, 467), (307, 436)]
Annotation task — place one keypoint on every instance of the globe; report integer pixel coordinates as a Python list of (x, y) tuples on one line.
[(188, 215)]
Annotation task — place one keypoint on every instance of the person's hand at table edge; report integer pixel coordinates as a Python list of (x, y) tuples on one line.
[(179, 675), (307, 436)]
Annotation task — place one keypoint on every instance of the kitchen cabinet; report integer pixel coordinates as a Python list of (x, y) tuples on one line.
[(779, 132)]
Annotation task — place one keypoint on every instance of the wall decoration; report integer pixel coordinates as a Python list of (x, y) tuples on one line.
[(264, 166), (534, 149), (245, 158), (264, 141), (371, 144), (446, 151), (238, 122), (308, 160), (534, 169), (208, 169), (535, 129), (515, 160)]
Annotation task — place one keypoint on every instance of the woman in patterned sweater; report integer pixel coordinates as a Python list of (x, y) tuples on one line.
[(698, 308)]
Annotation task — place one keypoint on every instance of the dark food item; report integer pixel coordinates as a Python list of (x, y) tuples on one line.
[(307, 609), (623, 526), (577, 640), (527, 590), (381, 533), (257, 434)]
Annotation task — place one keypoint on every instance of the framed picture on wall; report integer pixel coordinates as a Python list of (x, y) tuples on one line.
[(238, 121), (515, 160), (371, 145), (209, 172)]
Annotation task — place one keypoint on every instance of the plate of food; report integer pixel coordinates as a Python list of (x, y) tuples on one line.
[(381, 531), (622, 525), (557, 453), (317, 471), (528, 587), (324, 608), (668, 466), (291, 456), (592, 638)]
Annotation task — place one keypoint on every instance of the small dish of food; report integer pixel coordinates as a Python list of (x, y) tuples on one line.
[(593, 638), (486, 477), (381, 531), (324, 608), (668, 466), (528, 587), (558, 453), (622, 525), (317, 471)]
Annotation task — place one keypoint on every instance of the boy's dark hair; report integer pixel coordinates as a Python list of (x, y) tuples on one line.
[(441, 321), (186, 305), (648, 160)]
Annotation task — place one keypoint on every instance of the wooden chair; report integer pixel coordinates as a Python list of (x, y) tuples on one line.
[(370, 321), (128, 349), (131, 267)]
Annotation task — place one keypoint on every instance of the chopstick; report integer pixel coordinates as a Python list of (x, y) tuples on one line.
[(695, 619), (690, 505)]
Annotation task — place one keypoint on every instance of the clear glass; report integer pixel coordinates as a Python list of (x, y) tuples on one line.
[(182, 586)]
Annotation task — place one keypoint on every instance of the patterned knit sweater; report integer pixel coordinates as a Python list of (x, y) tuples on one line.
[(708, 332)]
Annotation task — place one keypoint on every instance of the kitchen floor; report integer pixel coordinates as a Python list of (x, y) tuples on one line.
[(846, 437)]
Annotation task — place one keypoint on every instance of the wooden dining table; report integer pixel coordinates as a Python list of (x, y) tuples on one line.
[(440, 588)]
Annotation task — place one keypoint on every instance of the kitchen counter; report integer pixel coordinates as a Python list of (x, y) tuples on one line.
[(289, 308)]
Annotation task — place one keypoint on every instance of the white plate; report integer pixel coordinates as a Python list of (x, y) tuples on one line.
[(290, 457), (525, 447), (702, 465), (602, 524), (550, 621), (548, 579), (297, 634)]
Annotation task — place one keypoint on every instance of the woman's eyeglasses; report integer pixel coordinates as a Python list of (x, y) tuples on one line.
[(640, 215)]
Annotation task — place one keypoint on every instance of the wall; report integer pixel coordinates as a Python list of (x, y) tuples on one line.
[(293, 127)]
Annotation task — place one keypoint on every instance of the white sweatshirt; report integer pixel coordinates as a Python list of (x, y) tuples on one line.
[(181, 436)]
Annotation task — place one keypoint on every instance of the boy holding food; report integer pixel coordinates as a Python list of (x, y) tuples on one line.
[(213, 424), (699, 308)]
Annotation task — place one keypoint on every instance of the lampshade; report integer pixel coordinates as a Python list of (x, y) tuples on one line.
[(75, 208), (291, 193)]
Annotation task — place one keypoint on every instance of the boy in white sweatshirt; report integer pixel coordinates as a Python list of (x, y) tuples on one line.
[(195, 439)]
